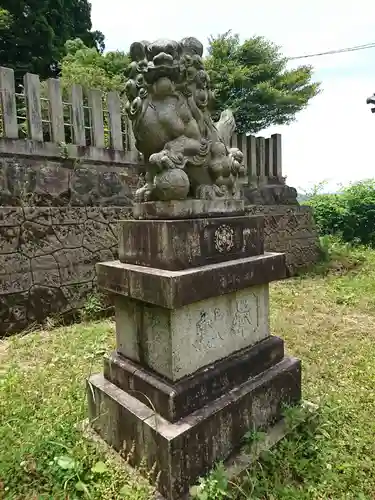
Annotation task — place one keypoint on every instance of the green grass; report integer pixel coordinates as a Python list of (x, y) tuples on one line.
[(42, 399), (327, 320)]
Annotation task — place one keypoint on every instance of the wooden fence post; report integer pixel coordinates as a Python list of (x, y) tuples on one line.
[(269, 158), (97, 122), (115, 127), (261, 159), (8, 103), (78, 117), (56, 110), (252, 158), (245, 158), (33, 106), (277, 160)]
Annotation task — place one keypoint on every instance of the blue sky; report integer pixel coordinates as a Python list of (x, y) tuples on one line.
[(332, 139)]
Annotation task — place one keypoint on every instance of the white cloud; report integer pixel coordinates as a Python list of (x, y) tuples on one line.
[(333, 136)]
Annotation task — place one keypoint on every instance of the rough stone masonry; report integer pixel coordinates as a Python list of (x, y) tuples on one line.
[(58, 218), (195, 365)]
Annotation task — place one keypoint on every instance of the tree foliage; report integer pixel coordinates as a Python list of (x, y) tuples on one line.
[(252, 79), (33, 33), (91, 69), (349, 214)]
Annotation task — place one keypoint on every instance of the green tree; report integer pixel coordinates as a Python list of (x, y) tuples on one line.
[(33, 33), (252, 79), (5, 19), (349, 214), (91, 69)]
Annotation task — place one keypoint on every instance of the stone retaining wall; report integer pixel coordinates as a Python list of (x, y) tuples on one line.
[(58, 218), (290, 229)]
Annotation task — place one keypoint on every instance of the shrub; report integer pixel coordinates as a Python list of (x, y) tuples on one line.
[(359, 217), (328, 212), (350, 214)]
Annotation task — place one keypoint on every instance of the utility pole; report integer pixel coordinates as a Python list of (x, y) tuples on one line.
[(371, 100)]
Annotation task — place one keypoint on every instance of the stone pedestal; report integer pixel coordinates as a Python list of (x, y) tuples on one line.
[(195, 366)]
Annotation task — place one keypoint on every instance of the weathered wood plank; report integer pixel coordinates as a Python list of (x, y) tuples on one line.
[(115, 126), (56, 110), (244, 152), (261, 158), (8, 103), (78, 118), (97, 120), (33, 106), (277, 159), (252, 157), (269, 158)]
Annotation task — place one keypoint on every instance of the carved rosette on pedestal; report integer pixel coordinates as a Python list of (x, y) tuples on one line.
[(195, 365)]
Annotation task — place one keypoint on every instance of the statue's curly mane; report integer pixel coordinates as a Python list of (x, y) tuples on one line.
[(169, 96)]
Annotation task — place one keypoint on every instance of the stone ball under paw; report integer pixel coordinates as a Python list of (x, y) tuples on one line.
[(172, 184)]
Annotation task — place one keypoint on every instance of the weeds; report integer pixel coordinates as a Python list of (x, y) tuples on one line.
[(213, 487), (94, 308)]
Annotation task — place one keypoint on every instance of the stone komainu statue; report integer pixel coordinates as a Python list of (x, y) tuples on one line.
[(186, 155)]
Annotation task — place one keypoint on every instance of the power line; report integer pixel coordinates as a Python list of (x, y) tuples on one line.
[(337, 51)]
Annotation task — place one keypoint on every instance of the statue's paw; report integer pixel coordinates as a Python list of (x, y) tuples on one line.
[(147, 196), (236, 154), (221, 191), (237, 160), (210, 192), (138, 197), (141, 194)]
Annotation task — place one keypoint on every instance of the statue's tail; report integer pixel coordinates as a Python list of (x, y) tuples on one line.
[(226, 126)]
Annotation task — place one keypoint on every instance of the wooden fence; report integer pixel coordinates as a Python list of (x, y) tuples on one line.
[(42, 112), (262, 157), (38, 112)]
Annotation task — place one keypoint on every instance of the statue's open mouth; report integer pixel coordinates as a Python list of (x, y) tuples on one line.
[(163, 59), (162, 65)]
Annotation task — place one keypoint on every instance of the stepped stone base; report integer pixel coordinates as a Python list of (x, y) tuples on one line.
[(238, 464), (176, 400), (195, 366), (184, 450), (186, 243)]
